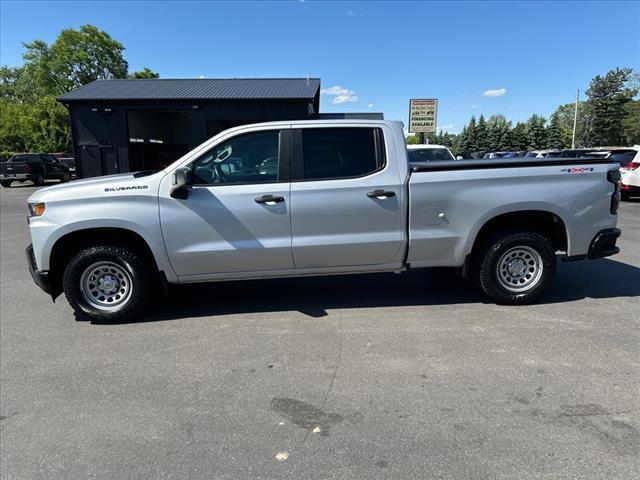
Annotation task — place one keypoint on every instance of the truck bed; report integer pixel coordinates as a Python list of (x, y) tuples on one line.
[(505, 163)]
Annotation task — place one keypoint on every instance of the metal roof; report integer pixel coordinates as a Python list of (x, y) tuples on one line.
[(197, 89), (351, 115)]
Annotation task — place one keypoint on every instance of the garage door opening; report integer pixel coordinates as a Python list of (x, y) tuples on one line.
[(156, 138)]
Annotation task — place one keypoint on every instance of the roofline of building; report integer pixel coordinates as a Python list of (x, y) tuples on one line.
[(62, 98), (180, 100)]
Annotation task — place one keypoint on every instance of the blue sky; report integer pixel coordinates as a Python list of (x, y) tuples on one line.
[(533, 55)]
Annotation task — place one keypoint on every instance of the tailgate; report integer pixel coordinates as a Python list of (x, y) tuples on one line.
[(12, 168)]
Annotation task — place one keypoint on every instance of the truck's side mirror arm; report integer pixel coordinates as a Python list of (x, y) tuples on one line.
[(181, 183)]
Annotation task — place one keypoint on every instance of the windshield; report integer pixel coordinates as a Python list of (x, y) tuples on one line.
[(429, 154)]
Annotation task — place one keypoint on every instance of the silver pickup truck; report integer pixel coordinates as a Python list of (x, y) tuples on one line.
[(317, 198)]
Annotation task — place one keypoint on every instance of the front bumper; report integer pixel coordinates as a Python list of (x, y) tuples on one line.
[(627, 189), (604, 243), (41, 278)]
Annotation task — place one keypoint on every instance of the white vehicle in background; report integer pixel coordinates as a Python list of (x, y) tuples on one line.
[(630, 182), (428, 153)]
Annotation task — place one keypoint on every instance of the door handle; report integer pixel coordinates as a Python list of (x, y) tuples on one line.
[(269, 199), (381, 194)]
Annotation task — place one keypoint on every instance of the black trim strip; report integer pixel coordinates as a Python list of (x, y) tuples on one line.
[(284, 156), (501, 163), (297, 167)]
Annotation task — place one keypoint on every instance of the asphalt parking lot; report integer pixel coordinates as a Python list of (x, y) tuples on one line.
[(380, 376)]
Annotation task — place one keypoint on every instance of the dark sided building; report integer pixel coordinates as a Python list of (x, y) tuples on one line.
[(129, 125)]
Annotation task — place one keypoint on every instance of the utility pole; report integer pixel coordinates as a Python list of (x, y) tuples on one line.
[(575, 121)]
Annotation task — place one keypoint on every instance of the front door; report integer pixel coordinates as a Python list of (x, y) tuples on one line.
[(236, 217), (346, 201), (109, 159)]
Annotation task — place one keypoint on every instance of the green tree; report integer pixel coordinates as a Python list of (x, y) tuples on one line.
[(536, 133), (554, 134), (77, 57), (631, 123), (412, 140), (144, 73), (519, 139), (472, 135), (30, 116), (499, 133), (564, 123), (608, 98), (482, 134)]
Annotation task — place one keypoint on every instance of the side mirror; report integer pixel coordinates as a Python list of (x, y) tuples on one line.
[(181, 183)]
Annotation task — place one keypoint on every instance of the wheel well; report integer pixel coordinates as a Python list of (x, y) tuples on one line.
[(66, 247), (544, 223)]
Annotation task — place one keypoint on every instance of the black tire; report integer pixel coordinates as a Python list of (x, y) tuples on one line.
[(515, 268), (5, 183), (38, 178), (65, 178), (127, 265)]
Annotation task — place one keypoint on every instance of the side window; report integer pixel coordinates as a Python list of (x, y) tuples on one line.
[(248, 158), (330, 153)]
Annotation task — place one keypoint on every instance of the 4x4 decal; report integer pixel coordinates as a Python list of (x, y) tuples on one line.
[(577, 170)]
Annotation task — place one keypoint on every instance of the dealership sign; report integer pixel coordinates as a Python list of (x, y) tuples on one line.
[(422, 115)]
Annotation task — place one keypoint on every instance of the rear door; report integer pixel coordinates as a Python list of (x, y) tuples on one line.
[(236, 217), (346, 199)]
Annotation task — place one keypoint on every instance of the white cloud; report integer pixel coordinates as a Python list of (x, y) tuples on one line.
[(201, 76), (370, 105), (336, 90), (495, 93), (342, 95), (351, 13), (345, 98), (476, 106)]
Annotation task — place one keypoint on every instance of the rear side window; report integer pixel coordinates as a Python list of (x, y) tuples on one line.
[(331, 153)]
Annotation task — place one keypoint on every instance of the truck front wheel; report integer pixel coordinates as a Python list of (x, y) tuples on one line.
[(5, 183), (515, 268), (107, 284)]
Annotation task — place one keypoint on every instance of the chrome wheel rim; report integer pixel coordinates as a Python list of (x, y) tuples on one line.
[(106, 286), (519, 269)]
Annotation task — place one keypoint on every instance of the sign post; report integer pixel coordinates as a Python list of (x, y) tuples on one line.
[(423, 114)]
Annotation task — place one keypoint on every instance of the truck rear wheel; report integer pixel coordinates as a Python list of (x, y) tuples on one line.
[(515, 268), (107, 284), (5, 183)]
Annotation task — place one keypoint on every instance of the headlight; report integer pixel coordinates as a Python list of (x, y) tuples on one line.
[(36, 209)]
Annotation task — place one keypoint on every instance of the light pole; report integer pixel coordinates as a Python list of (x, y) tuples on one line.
[(575, 121)]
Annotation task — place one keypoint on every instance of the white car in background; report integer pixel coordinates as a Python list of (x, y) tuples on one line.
[(428, 153), (630, 182)]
